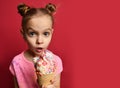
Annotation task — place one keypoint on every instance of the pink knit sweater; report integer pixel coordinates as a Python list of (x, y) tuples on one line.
[(24, 71)]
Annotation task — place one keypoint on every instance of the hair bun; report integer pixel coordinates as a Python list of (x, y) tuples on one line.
[(51, 8), (23, 9)]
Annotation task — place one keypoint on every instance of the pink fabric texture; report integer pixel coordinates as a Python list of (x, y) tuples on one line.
[(24, 71)]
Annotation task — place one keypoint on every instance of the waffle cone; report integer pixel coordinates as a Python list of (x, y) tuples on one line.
[(45, 79)]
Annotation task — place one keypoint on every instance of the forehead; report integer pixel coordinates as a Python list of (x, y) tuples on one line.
[(39, 22)]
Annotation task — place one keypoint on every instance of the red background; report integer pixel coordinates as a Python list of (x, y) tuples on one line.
[(86, 37)]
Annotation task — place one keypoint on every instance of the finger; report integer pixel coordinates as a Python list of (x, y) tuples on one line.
[(51, 81)]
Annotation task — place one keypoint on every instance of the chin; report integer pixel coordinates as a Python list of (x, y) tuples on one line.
[(38, 54)]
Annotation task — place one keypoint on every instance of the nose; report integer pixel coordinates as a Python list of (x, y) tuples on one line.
[(39, 40)]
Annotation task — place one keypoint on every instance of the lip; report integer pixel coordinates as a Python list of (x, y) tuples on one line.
[(39, 49)]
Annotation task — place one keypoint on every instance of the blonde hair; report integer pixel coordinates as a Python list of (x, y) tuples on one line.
[(27, 12)]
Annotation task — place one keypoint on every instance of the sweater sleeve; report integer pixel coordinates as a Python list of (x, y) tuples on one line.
[(11, 68), (58, 64)]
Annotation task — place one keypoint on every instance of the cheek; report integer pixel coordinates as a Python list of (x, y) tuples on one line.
[(48, 41), (30, 41)]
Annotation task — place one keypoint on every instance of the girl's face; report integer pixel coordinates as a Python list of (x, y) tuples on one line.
[(38, 34)]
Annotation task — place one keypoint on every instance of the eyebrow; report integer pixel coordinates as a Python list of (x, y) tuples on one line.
[(30, 29), (48, 29), (36, 31)]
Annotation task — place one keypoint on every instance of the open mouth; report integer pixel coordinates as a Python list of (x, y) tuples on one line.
[(39, 49)]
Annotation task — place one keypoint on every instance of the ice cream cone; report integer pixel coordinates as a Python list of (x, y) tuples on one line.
[(45, 80)]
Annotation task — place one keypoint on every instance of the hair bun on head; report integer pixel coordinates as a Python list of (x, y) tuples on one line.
[(23, 9), (51, 8)]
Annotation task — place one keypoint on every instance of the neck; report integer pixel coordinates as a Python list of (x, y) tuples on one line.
[(29, 54)]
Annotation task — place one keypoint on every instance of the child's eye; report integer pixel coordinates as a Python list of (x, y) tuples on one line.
[(46, 33), (32, 33)]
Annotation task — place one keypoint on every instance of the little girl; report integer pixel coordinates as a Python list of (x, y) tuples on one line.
[(37, 67)]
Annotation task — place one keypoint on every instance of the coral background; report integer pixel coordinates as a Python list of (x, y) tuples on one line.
[(86, 37)]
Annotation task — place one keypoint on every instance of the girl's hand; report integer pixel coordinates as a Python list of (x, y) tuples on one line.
[(49, 86), (42, 53)]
